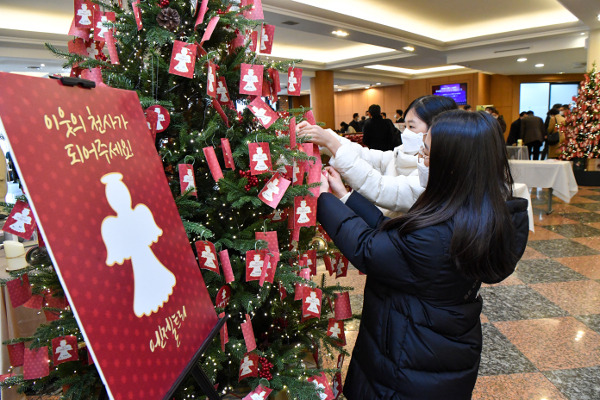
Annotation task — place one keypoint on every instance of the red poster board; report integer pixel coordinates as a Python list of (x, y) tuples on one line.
[(100, 197)]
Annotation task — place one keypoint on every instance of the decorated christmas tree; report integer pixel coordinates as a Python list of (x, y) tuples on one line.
[(582, 124), (244, 185)]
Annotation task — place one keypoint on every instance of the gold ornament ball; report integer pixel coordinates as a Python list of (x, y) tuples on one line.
[(319, 244)]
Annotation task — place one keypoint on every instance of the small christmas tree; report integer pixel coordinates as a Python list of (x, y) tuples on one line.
[(582, 124), (221, 149)]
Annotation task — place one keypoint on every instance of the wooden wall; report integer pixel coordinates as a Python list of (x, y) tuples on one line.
[(500, 90)]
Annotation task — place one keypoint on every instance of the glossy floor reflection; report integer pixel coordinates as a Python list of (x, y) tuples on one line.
[(541, 326)]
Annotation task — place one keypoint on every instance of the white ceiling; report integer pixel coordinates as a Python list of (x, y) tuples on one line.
[(464, 35)]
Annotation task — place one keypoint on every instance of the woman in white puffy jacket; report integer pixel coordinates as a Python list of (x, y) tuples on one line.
[(390, 179)]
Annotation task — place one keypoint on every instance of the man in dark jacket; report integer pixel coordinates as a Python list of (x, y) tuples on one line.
[(378, 133), (532, 132), (355, 123), (514, 134)]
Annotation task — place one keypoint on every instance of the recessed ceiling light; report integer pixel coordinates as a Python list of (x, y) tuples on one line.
[(561, 72), (339, 90), (540, 65), (522, 59), (340, 33), (582, 33), (336, 85), (42, 65), (378, 83), (409, 48), (598, 17), (367, 87)]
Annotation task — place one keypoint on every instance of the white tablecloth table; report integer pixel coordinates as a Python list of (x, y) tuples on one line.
[(521, 190), (552, 174), (517, 152)]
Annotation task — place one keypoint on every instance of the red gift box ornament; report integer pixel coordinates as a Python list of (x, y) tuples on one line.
[(342, 310)]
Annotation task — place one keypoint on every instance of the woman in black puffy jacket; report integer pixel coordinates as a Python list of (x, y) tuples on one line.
[(420, 333)]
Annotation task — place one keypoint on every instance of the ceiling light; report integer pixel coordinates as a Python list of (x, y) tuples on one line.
[(42, 65), (339, 90), (367, 87), (540, 65), (378, 83), (409, 48), (598, 17), (561, 72), (522, 59), (582, 33), (340, 33)]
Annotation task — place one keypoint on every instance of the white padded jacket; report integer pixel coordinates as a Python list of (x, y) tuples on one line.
[(389, 179)]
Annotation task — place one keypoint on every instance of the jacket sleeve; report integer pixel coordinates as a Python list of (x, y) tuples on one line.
[(396, 193), (370, 250), (365, 209)]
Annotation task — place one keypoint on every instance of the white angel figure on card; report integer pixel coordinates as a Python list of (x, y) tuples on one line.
[(129, 236)]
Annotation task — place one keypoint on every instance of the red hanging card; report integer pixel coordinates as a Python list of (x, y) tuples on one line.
[(294, 81), (255, 12), (211, 79), (222, 92), (263, 112), (187, 180), (328, 266), (201, 12), (223, 297), (292, 131), (84, 14), (35, 302), (260, 393), (311, 303), (16, 353), (301, 287), (305, 211), (342, 309), (136, 13), (83, 33), (207, 256), (213, 163), (335, 330), (311, 260), (322, 385), (212, 24), (266, 38), (249, 366), (227, 153), (248, 333), (35, 363), (260, 158), (19, 290), (64, 348), (341, 266), (253, 35), (183, 59), (220, 111), (163, 119), (275, 83), (77, 46), (226, 266), (272, 193), (112, 49), (100, 27), (152, 119), (336, 385), (255, 261), (251, 77), (309, 116), (20, 221)]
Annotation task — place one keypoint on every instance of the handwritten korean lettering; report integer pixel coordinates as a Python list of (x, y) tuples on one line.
[(99, 149), (172, 323)]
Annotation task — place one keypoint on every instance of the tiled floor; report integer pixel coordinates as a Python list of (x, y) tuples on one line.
[(541, 326)]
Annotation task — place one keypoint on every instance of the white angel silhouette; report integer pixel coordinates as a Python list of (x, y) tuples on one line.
[(130, 235)]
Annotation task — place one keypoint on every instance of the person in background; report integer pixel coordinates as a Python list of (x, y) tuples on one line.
[(355, 123), (420, 333), (556, 120), (532, 132), (377, 134), (494, 113), (555, 107), (384, 115), (390, 179), (398, 116), (467, 107), (565, 109), (345, 128), (361, 123), (514, 134)]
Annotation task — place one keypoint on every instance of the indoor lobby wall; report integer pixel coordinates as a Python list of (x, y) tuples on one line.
[(389, 98)]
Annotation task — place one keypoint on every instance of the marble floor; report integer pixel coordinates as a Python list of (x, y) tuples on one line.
[(541, 326)]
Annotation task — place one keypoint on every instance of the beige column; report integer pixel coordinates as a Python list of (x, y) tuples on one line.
[(321, 98), (593, 50)]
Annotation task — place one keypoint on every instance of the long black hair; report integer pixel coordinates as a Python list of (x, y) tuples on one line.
[(429, 106), (469, 183)]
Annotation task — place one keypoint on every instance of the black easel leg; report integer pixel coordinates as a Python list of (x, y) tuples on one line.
[(204, 383)]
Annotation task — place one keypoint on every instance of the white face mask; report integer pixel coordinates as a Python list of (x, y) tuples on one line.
[(412, 141), (423, 172)]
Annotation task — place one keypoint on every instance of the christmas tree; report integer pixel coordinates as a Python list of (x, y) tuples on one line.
[(244, 186), (582, 125)]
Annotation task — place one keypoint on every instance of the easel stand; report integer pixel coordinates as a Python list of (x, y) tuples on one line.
[(197, 373)]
